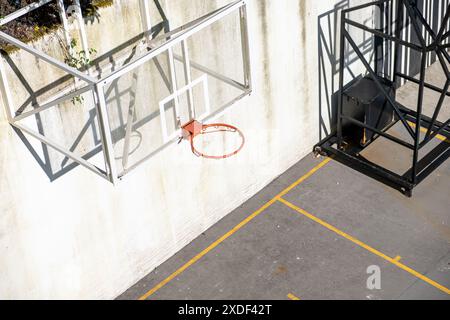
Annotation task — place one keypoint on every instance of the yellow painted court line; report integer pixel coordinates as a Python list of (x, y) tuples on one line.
[(424, 130), (302, 179), (439, 137), (292, 297), (365, 246), (233, 231)]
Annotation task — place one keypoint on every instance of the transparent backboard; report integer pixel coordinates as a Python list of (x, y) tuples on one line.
[(194, 74)]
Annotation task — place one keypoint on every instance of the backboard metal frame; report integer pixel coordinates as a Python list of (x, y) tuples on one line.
[(414, 121), (97, 85)]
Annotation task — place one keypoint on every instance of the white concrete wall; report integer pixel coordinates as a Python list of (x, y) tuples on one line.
[(80, 237)]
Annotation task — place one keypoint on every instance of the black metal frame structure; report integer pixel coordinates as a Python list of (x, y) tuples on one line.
[(413, 120)]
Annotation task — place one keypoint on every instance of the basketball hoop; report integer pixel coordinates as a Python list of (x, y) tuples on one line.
[(194, 129)]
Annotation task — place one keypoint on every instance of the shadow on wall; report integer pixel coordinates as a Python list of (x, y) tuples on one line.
[(381, 59), (90, 129)]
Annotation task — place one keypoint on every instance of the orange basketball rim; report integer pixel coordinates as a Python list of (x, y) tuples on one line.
[(195, 129)]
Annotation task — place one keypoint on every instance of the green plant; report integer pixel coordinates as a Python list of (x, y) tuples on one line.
[(78, 60), (40, 31)]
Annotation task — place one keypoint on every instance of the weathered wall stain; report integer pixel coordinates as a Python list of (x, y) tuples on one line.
[(264, 22)]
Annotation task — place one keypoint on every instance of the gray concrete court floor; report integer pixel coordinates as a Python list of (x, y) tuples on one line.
[(314, 232), (316, 241)]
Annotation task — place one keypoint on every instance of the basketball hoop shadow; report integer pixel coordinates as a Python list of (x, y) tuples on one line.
[(380, 56), (328, 25)]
